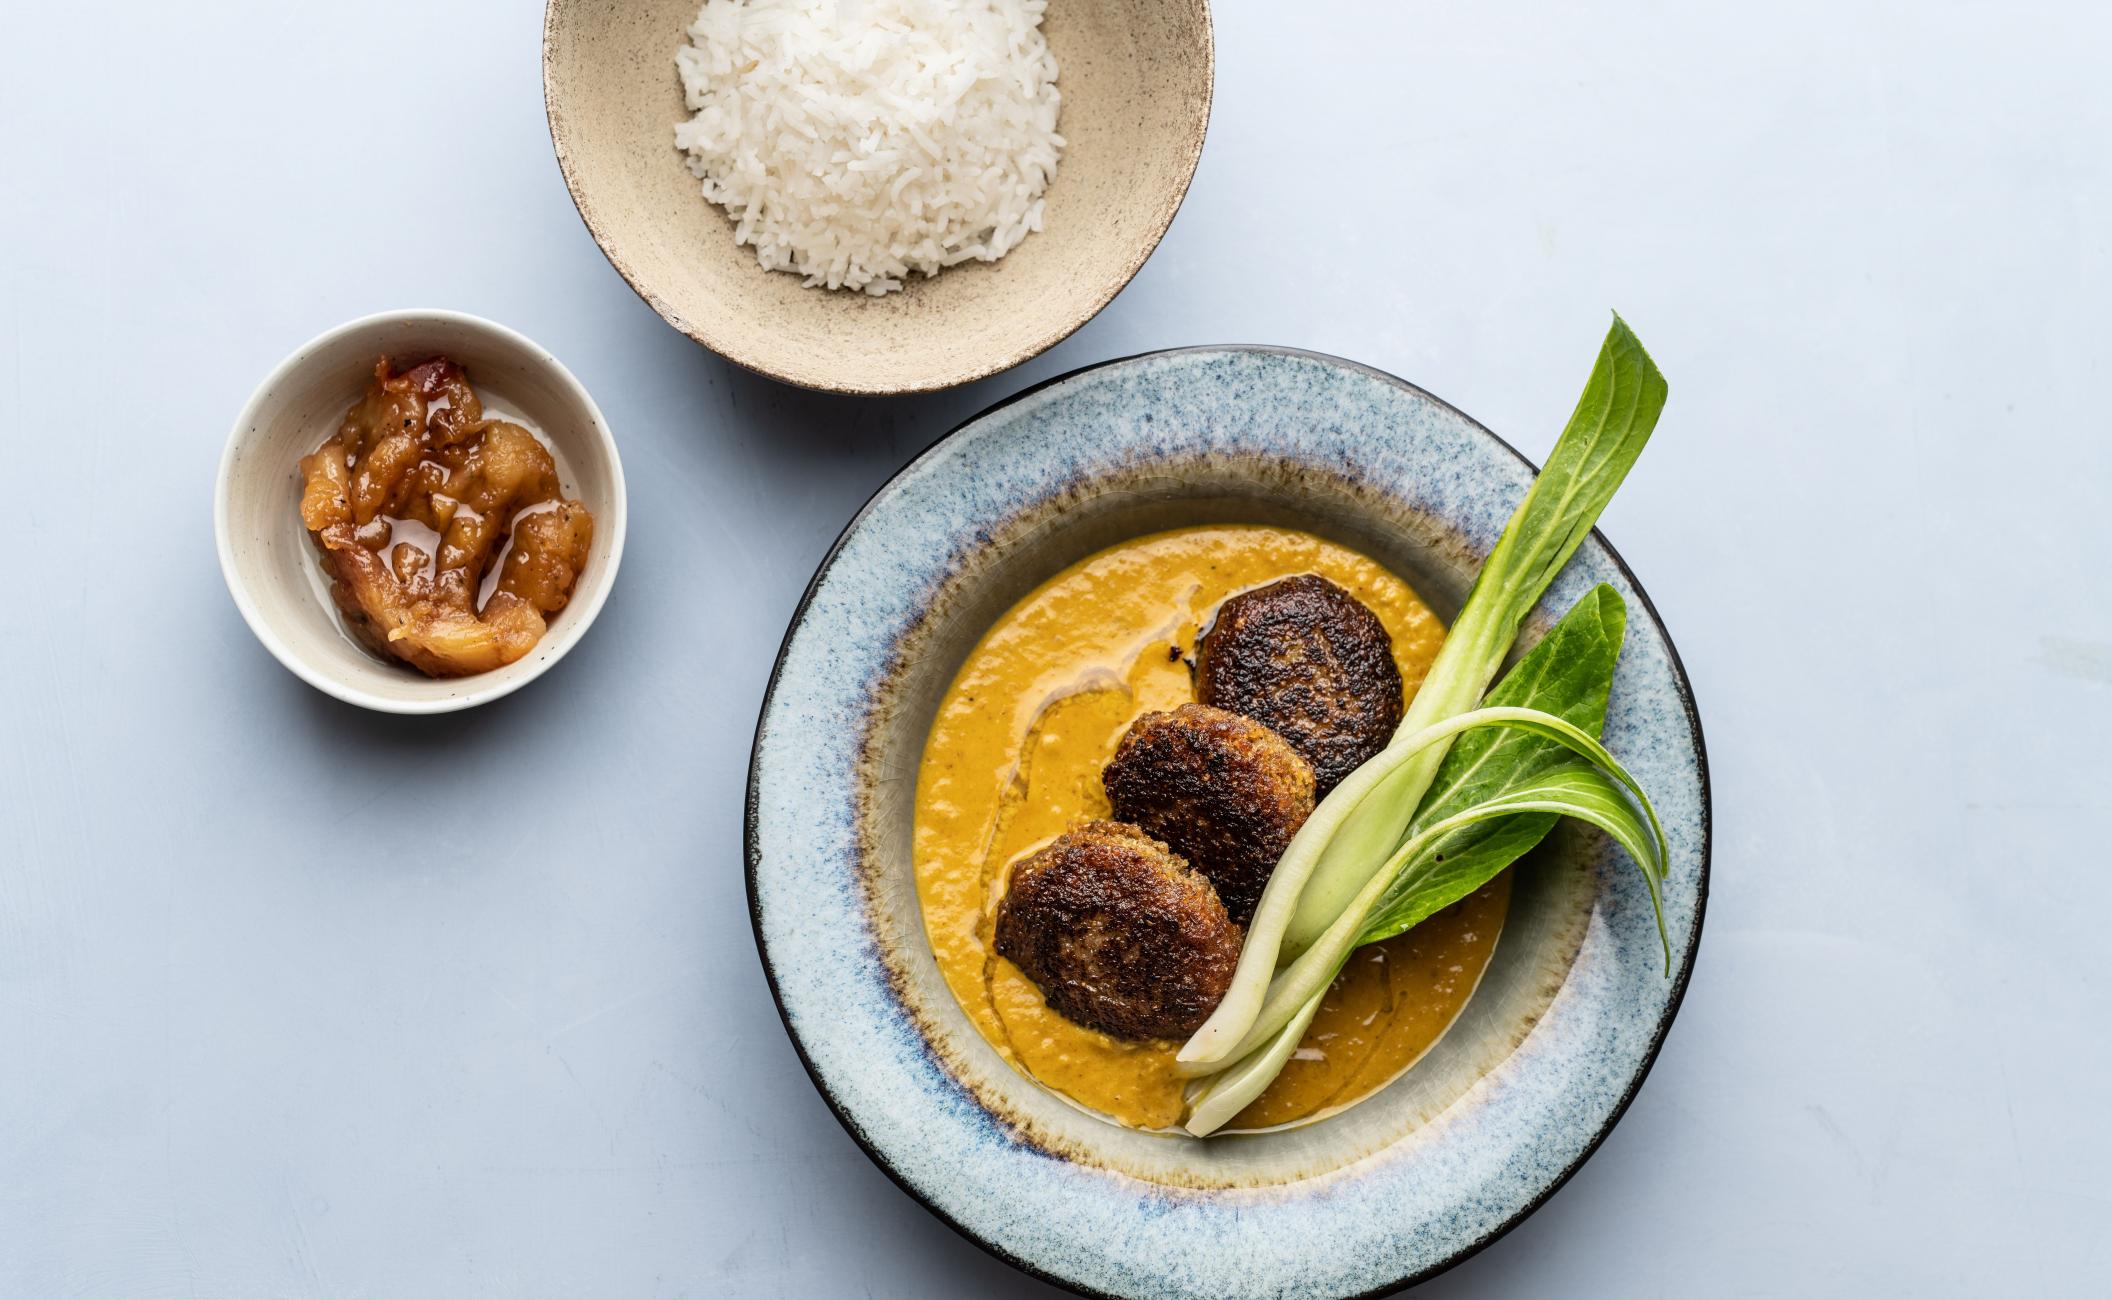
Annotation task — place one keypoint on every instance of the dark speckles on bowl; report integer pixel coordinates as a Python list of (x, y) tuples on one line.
[(1547, 1054)]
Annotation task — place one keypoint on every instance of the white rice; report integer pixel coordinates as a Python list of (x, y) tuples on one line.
[(856, 141)]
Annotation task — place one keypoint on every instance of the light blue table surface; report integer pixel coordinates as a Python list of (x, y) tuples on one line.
[(245, 1054)]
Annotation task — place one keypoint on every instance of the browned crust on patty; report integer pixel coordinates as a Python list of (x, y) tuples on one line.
[(1223, 791), (1119, 933), (1309, 661)]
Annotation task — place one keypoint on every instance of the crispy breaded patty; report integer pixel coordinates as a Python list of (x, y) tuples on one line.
[(1118, 932), (1223, 791), (1307, 659)]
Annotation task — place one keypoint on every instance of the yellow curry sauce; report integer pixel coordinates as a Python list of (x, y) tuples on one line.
[(1014, 759)]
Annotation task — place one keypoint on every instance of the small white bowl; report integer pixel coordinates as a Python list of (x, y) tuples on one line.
[(270, 564)]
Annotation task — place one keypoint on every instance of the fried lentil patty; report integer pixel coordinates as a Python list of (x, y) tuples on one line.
[(1309, 661), (1223, 791), (1119, 933)]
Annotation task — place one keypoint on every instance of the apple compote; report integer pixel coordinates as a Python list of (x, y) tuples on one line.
[(447, 538)]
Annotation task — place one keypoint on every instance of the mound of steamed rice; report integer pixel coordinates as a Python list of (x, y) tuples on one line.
[(856, 141)]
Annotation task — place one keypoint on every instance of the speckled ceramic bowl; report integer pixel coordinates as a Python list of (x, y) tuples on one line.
[(1135, 76), (1537, 1069)]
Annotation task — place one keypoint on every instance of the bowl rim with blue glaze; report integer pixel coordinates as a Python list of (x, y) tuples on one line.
[(1550, 1050)]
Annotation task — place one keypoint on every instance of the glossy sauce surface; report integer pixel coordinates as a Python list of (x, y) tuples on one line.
[(1014, 758), (445, 533)]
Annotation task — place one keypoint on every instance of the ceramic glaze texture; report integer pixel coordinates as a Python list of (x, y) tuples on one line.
[(1135, 76), (1548, 1051)]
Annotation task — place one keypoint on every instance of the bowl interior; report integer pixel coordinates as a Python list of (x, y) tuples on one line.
[(1551, 898), (1135, 76), (272, 564)]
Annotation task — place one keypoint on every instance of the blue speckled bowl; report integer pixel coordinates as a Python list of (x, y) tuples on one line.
[(1482, 1130)]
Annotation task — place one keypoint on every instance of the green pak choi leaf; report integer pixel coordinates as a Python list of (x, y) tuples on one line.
[(1355, 831), (1570, 675)]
